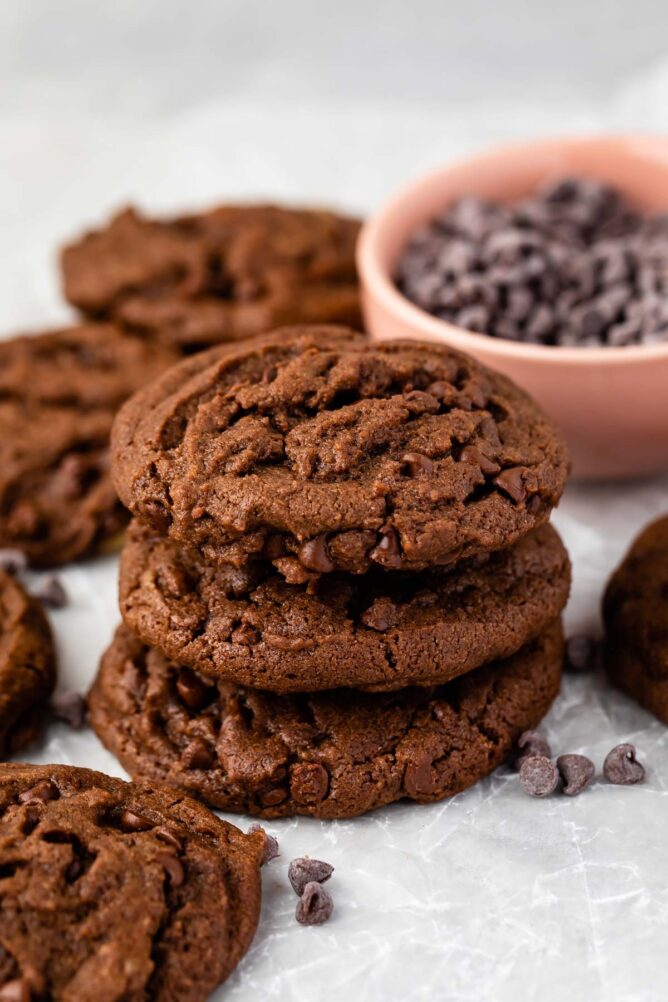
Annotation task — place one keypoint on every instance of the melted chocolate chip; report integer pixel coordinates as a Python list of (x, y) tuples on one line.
[(40, 793), (192, 690), (418, 778), (169, 838), (172, 866), (476, 457), (313, 554), (415, 464), (309, 782), (133, 822), (387, 551), (511, 482), (197, 755)]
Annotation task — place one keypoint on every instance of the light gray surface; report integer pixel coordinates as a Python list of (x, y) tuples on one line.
[(492, 896)]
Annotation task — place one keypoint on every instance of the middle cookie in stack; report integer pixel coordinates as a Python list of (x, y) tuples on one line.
[(317, 516)]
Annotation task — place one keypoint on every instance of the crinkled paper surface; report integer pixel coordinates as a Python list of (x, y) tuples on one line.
[(492, 896)]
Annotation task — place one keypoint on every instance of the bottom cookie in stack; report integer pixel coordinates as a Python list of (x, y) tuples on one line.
[(331, 754)]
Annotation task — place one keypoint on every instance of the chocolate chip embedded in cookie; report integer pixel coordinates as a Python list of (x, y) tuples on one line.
[(59, 392), (219, 276), (117, 891), (635, 614), (332, 754), (376, 631), (27, 666), (305, 445)]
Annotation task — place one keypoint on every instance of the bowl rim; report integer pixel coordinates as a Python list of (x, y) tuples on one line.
[(377, 280)]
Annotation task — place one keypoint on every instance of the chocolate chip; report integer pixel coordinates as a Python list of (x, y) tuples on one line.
[(73, 871), (274, 796), (131, 822), (51, 592), (621, 766), (381, 615), (581, 653), (539, 777), (169, 838), (576, 772), (314, 556), (271, 850), (476, 457), (197, 755), (419, 779), (315, 905), (157, 515), (309, 782), (172, 866), (40, 793), (511, 482), (70, 707), (529, 744), (17, 990), (387, 551), (193, 691), (13, 561), (415, 464), (303, 871)]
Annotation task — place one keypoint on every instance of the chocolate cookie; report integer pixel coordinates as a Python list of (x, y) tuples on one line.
[(379, 631), (333, 754), (114, 891), (27, 666), (59, 392), (635, 614), (323, 452), (219, 276)]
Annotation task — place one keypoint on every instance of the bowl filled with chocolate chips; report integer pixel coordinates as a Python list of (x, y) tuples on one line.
[(549, 262)]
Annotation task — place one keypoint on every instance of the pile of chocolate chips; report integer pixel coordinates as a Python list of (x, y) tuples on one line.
[(573, 265)]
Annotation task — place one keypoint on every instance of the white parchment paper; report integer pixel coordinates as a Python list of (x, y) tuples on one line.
[(491, 896)]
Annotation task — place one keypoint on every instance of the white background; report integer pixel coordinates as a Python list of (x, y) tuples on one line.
[(492, 896)]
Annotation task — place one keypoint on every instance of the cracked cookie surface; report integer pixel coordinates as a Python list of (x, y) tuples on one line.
[(378, 631), (59, 392), (635, 616), (219, 276), (332, 754), (321, 452), (27, 666), (110, 890)]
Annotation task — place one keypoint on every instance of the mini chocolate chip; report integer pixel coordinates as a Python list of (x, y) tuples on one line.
[(313, 554), (531, 743), (169, 838), (69, 707), (193, 691), (303, 871), (51, 592), (387, 552), (197, 755), (576, 771), (511, 482), (172, 866), (315, 905), (539, 777), (271, 850), (309, 782), (40, 793), (132, 822), (581, 653), (415, 464), (13, 561), (622, 767), (475, 457), (17, 990)]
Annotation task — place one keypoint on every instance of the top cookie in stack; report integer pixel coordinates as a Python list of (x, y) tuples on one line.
[(316, 516)]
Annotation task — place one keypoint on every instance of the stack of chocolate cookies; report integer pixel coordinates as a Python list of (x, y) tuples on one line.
[(340, 588)]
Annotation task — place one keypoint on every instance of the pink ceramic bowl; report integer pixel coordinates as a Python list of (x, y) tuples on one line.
[(610, 403)]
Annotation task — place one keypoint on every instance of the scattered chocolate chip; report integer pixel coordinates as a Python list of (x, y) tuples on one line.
[(387, 551), (193, 691), (69, 707), (315, 905), (51, 592), (169, 838), (13, 561), (172, 866), (304, 870), (622, 767), (539, 777), (197, 755), (131, 822), (581, 653), (40, 793), (511, 482), (314, 556), (17, 990), (271, 850), (576, 771), (415, 464), (529, 744)]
